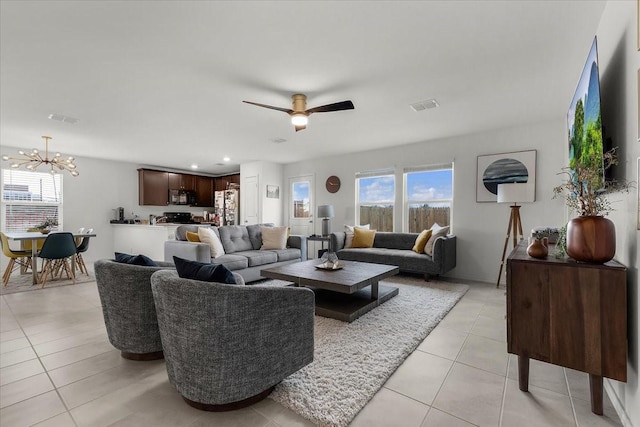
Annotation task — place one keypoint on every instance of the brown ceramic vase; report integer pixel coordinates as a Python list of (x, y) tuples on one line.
[(591, 239), (537, 249)]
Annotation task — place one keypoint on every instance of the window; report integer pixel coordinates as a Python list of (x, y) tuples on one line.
[(28, 198), (428, 197), (301, 200), (376, 196)]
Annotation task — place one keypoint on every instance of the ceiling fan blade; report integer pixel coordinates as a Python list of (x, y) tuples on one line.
[(338, 106), (300, 127), (271, 107)]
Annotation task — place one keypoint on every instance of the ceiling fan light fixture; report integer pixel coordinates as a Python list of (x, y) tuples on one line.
[(299, 119)]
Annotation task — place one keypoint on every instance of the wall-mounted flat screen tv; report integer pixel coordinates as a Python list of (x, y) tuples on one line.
[(584, 120)]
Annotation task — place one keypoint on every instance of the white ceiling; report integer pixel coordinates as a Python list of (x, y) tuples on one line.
[(161, 83)]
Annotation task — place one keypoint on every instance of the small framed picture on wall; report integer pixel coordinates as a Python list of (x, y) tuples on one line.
[(273, 192)]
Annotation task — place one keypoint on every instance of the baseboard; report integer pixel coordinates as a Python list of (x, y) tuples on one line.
[(617, 404)]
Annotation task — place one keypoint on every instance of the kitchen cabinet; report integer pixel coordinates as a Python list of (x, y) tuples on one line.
[(153, 187), (570, 314), (222, 182), (234, 179), (181, 181), (204, 191)]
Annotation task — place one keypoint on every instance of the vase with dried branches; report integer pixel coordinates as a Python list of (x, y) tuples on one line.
[(591, 237)]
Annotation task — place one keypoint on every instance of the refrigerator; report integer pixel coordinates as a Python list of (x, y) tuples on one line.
[(226, 205)]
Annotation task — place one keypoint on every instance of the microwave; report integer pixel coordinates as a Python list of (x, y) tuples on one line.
[(182, 197)]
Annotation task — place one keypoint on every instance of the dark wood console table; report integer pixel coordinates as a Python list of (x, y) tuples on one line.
[(570, 314)]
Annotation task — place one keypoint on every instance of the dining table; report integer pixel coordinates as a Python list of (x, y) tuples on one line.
[(34, 237)]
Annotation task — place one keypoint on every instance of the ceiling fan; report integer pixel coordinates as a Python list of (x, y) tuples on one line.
[(300, 115)]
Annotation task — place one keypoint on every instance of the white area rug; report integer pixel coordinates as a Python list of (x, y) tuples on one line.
[(353, 360)]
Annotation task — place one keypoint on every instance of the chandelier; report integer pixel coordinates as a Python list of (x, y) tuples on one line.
[(33, 159)]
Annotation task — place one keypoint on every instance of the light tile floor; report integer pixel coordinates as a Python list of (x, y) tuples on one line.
[(57, 368)]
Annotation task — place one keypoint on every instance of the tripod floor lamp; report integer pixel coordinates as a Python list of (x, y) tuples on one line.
[(512, 193)]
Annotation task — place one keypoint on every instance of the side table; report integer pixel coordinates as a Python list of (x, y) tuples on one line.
[(316, 238), (570, 314)]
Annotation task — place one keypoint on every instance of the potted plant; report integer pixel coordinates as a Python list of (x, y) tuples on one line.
[(590, 237), (46, 225), (561, 244)]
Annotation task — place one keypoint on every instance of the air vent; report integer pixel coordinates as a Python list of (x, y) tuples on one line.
[(278, 140), (63, 118), (425, 105)]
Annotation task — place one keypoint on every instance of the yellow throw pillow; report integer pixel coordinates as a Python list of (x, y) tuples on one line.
[(192, 237), (363, 238), (421, 241), (348, 229)]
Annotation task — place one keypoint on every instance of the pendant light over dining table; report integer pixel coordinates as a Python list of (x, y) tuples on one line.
[(31, 161)]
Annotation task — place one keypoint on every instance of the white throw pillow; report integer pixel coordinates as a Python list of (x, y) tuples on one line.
[(274, 237), (436, 231), (209, 237), (348, 229)]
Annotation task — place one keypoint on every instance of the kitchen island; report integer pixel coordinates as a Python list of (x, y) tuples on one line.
[(143, 239)]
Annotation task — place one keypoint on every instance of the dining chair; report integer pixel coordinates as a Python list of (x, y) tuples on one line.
[(56, 251), (79, 239), (80, 249), (17, 259)]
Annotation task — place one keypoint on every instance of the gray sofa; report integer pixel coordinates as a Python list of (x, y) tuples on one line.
[(396, 249), (242, 249), (227, 346)]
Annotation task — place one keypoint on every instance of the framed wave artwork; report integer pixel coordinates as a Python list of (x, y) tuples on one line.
[(505, 168)]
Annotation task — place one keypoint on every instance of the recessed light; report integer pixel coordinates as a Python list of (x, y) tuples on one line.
[(226, 159), (278, 140), (194, 166)]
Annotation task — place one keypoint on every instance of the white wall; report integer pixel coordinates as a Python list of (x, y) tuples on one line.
[(479, 227), (619, 62), (268, 173)]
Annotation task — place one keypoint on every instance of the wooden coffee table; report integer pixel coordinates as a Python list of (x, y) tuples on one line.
[(344, 294)]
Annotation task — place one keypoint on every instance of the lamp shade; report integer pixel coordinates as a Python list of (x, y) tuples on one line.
[(514, 193), (325, 211)]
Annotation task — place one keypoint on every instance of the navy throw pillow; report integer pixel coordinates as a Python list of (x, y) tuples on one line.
[(135, 260), (202, 271)]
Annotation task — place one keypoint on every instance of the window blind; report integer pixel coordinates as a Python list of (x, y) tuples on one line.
[(428, 168), (372, 173), (28, 198)]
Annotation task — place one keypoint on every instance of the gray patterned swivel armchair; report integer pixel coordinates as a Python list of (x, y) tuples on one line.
[(128, 308), (227, 346)]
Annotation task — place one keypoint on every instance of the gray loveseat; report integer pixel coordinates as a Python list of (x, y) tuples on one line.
[(242, 250), (396, 249)]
